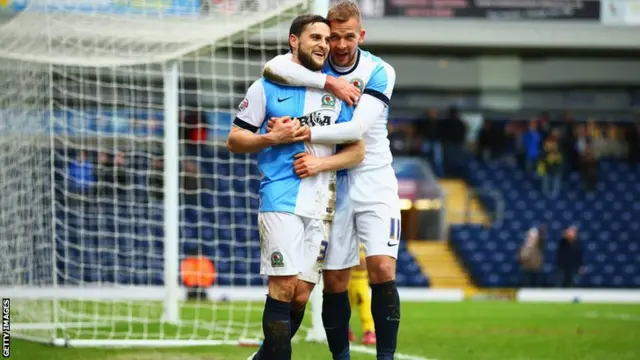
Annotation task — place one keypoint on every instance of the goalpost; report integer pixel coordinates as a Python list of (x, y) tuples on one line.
[(108, 180)]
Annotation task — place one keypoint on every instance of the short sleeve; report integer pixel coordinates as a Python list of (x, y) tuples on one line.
[(252, 108), (381, 82)]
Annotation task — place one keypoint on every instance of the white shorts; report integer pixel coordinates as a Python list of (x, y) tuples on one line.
[(367, 210), (292, 245)]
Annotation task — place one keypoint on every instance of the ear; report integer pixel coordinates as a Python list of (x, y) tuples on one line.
[(293, 41), (362, 33)]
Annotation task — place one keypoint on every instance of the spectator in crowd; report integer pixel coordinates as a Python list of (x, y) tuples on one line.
[(569, 143), (189, 180), (531, 257), (454, 135), (428, 131), (516, 130), (486, 142), (569, 262), (612, 140), (632, 137), (512, 145), (544, 125), (82, 177), (531, 141), (193, 130), (113, 174), (403, 140), (550, 166), (156, 179), (588, 156), (397, 140)]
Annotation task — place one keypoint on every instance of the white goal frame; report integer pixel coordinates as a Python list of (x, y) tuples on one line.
[(171, 293)]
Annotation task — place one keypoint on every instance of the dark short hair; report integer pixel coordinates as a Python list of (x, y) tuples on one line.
[(301, 22)]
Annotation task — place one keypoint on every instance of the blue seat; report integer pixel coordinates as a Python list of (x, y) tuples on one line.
[(609, 219), (122, 241)]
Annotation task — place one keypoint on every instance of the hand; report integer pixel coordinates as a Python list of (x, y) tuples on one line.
[(271, 122), (306, 165), (286, 130), (344, 90), (302, 134)]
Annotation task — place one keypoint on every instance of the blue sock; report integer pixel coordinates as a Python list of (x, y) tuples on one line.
[(296, 321), (336, 313), (276, 324), (385, 308)]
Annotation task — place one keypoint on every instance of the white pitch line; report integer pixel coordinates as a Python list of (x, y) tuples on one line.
[(372, 351), (612, 316)]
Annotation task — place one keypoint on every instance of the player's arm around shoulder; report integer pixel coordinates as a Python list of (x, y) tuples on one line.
[(374, 101), (281, 70)]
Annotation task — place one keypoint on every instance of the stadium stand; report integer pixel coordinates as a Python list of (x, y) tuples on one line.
[(208, 222), (608, 218)]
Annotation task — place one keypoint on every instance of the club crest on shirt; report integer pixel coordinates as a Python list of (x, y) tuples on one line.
[(357, 82), (328, 100), (277, 259)]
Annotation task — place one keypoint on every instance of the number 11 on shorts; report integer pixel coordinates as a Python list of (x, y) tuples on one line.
[(394, 233)]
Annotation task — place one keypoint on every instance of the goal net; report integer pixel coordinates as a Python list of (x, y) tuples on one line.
[(113, 118)]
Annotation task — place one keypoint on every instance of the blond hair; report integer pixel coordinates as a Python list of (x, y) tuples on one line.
[(343, 11)]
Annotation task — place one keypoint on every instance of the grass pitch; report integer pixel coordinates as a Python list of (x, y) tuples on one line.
[(433, 331)]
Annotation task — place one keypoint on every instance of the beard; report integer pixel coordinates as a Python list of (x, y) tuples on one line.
[(307, 60)]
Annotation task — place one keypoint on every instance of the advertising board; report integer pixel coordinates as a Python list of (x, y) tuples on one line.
[(496, 9)]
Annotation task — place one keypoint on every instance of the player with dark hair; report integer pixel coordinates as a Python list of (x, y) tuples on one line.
[(296, 210)]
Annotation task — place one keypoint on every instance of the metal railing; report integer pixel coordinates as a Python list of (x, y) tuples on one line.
[(496, 215)]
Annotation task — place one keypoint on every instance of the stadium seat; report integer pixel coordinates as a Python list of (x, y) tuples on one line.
[(122, 242), (608, 218)]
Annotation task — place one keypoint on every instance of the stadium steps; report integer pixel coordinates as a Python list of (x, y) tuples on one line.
[(439, 261), (456, 194)]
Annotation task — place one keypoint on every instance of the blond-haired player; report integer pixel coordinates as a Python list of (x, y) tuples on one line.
[(367, 204)]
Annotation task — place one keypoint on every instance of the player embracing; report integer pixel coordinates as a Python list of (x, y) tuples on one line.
[(368, 207), (295, 210)]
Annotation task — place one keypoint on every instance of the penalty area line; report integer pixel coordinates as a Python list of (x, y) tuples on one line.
[(372, 351)]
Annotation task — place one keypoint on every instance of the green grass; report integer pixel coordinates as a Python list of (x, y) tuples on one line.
[(442, 331)]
